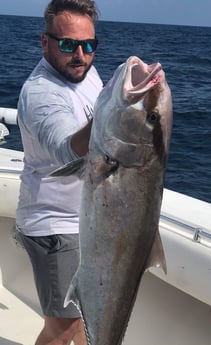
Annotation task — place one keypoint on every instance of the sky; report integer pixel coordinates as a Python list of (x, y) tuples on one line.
[(180, 12)]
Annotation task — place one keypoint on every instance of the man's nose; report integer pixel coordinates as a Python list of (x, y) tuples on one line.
[(79, 51)]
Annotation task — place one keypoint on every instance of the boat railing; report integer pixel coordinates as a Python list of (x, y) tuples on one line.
[(8, 116), (189, 231)]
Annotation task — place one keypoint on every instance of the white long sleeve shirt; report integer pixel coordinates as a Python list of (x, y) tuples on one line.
[(50, 110)]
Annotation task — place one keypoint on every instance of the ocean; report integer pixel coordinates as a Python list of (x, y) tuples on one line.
[(183, 51)]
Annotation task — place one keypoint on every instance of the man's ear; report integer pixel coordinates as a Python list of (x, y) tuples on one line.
[(44, 40)]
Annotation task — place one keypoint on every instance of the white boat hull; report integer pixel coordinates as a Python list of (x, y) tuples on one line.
[(172, 309)]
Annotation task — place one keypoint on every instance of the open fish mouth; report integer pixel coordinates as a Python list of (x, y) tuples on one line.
[(140, 78)]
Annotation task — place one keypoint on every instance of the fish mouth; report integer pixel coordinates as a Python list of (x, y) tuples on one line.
[(140, 78)]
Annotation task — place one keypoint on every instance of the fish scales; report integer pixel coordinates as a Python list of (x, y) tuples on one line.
[(121, 200)]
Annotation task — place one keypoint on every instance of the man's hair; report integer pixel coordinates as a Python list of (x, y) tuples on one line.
[(82, 7)]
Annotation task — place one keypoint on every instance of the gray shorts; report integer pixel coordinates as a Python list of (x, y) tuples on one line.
[(54, 260)]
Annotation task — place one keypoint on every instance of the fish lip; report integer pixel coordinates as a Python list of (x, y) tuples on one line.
[(149, 77)]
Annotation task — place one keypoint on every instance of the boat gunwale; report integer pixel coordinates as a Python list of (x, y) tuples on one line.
[(195, 233)]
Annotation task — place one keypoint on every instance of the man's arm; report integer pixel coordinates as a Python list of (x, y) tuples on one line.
[(80, 140)]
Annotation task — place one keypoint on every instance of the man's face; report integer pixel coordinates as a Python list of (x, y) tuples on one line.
[(73, 66)]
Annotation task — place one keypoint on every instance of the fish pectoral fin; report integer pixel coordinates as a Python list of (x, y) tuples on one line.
[(69, 168), (157, 256)]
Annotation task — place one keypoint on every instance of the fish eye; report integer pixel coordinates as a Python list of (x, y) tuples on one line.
[(112, 162), (153, 117)]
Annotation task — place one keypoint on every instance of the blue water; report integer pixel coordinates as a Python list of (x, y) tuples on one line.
[(184, 52)]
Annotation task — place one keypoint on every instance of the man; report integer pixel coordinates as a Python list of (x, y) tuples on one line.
[(55, 115)]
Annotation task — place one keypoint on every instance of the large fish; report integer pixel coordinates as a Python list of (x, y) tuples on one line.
[(123, 186)]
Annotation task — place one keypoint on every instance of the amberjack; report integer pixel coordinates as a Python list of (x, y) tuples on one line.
[(121, 200)]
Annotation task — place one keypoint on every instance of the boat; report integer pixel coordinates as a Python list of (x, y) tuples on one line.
[(170, 309)]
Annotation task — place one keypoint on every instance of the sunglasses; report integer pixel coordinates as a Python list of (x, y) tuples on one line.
[(69, 45)]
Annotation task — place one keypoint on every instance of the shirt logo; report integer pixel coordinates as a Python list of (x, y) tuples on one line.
[(88, 112)]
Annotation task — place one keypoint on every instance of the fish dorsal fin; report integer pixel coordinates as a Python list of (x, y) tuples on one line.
[(157, 257)]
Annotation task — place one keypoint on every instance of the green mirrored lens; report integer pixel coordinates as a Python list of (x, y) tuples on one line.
[(87, 47), (67, 45)]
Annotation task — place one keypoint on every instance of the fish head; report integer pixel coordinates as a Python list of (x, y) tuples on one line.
[(133, 114)]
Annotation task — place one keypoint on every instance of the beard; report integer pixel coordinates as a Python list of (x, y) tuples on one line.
[(67, 70)]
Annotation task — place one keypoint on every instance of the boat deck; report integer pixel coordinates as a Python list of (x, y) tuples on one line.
[(19, 324)]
